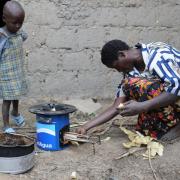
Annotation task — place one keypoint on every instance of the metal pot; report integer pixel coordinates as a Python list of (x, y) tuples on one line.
[(16, 153)]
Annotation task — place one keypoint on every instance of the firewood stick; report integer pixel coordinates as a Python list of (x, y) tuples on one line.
[(149, 158), (130, 152)]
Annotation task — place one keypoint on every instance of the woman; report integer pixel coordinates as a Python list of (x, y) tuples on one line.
[(150, 87)]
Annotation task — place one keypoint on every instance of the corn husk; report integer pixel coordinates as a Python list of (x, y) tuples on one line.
[(137, 139), (155, 148), (121, 105)]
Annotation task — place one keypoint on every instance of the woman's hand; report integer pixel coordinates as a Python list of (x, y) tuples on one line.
[(81, 130), (132, 108)]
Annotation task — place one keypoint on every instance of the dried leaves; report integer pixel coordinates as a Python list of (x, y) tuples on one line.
[(137, 140)]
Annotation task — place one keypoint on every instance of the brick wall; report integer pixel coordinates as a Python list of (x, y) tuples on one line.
[(65, 38)]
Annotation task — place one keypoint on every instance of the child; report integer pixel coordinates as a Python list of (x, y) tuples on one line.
[(150, 88), (12, 77)]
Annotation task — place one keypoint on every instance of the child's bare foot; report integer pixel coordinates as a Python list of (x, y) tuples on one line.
[(172, 134)]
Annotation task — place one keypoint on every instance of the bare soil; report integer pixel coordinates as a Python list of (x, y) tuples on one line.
[(102, 165)]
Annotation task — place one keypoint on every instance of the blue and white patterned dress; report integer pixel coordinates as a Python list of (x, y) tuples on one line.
[(12, 72), (162, 61)]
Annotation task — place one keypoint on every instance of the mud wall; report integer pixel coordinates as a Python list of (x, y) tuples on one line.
[(65, 38)]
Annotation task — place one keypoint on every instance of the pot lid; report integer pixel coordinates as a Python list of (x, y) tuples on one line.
[(52, 109)]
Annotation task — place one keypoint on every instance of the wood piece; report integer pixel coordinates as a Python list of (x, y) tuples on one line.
[(149, 158), (130, 152), (76, 124), (70, 136)]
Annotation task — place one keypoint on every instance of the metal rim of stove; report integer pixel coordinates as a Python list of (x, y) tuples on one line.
[(41, 109)]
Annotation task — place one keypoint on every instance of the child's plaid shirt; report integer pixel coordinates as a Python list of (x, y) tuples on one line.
[(12, 75)]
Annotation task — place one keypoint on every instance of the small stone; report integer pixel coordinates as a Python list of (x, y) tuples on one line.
[(74, 175)]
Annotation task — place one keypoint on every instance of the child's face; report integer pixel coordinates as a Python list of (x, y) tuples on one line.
[(14, 23)]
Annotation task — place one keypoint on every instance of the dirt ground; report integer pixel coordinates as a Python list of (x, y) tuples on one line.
[(102, 165)]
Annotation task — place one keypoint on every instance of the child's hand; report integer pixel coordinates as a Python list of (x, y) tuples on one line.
[(81, 130)]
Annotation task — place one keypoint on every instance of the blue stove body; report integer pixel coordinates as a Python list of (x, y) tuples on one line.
[(50, 131), (52, 121)]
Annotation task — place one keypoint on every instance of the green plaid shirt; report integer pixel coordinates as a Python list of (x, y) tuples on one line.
[(12, 74)]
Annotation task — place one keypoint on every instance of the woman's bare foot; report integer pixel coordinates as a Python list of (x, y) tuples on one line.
[(172, 134)]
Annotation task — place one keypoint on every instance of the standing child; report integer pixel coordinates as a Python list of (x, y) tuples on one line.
[(12, 77)]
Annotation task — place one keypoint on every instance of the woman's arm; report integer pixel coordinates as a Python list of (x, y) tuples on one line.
[(162, 100), (133, 107), (107, 115)]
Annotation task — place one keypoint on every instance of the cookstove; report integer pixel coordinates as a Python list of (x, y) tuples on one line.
[(52, 121)]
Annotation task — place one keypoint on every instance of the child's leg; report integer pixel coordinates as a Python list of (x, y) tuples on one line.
[(15, 108), (5, 112), (15, 115)]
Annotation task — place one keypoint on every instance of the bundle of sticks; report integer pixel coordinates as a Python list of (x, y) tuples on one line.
[(71, 136)]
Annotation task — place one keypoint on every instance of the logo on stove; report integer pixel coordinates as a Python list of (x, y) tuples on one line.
[(46, 128), (43, 145), (47, 131)]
